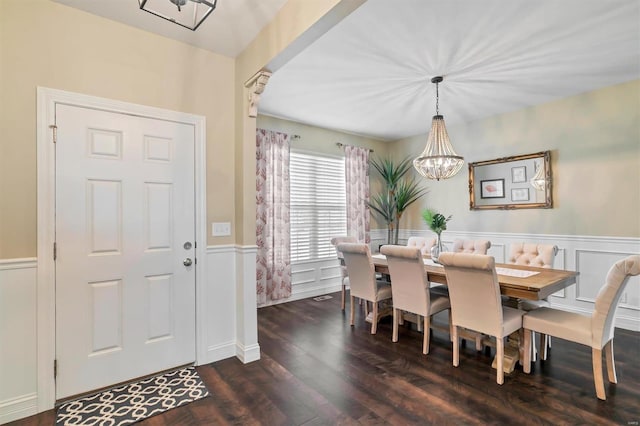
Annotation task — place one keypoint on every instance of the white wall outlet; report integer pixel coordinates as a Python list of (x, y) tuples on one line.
[(220, 229)]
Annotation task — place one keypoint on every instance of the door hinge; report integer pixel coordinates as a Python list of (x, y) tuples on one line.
[(55, 251), (55, 368), (195, 260), (54, 128)]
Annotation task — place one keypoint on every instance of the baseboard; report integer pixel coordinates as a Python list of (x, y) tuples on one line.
[(305, 294), (219, 352), (248, 354), (18, 408)]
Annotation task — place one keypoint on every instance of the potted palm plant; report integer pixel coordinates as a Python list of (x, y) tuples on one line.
[(437, 222), (399, 193)]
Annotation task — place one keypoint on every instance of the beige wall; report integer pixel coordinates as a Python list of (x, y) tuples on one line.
[(298, 24), (43, 43), (594, 140)]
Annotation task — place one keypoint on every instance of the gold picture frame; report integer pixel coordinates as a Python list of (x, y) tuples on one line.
[(539, 196)]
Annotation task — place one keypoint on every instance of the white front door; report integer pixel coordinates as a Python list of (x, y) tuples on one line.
[(125, 230)]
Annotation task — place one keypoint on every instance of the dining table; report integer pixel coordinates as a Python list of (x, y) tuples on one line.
[(518, 282)]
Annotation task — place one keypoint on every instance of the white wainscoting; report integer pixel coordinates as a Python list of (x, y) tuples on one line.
[(18, 381), (591, 256), (220, 310), (315, 278), (230, 321)]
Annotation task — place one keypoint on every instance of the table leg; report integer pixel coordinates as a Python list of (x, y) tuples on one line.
[(512, 353)]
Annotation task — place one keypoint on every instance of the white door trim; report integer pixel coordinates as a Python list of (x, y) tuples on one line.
[(46, 102)]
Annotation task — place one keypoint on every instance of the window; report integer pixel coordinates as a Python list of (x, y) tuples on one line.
[(318, 205)]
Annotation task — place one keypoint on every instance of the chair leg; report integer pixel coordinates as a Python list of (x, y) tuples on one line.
[(542, 349), (353, 308), (396, 314), (456, 348), (500, 359), (611, 366), (526, 363), (374, 322), (450, 327), (534, 349), (344, 292), (366, 307), (400, 317), (596, 355), (427, 334), (418, 323)]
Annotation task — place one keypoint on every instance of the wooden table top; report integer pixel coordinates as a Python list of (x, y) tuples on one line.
[(535, 287)]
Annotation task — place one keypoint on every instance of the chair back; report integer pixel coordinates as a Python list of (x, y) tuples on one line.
[(474, 292), (409, 285), (339, 240), (471, 246), (342, 239), (531, 254), (424, 244), (360, 268), (602, 319)]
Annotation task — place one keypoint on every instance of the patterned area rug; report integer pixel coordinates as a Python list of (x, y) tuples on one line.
[(130, 403)]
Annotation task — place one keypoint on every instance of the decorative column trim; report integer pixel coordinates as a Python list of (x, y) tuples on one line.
[(256, 85)]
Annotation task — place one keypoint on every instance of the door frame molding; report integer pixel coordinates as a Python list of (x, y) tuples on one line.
[(45, 326)]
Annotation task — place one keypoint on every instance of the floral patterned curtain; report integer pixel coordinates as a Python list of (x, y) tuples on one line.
[(357, 187), (273, 234)]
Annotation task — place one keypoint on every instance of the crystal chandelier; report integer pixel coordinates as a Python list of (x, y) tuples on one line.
[(438, 160), (539, 181), (186, 13)]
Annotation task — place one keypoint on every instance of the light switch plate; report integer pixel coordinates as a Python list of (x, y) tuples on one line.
[(220, 229)]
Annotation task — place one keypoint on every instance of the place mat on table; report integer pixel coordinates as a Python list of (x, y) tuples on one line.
[(519, 273)]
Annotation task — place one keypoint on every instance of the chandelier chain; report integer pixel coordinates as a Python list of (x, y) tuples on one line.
[(437, 100)]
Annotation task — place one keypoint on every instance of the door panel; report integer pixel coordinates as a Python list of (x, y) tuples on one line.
[(125, 303)]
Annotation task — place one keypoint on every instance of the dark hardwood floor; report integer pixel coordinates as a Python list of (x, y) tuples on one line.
[(316, 369)]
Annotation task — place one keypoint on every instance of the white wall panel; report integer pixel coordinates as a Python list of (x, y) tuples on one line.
[(18, 381), (220, 298)]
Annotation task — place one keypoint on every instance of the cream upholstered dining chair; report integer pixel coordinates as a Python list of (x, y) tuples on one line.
[(474, 293), (362, 280), (424, 244), (471, 246), (410, 289), (539, 256), (343, 269), (596, 330)]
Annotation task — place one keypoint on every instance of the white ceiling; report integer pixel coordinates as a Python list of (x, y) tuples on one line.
[(227, 31), (371, 73)]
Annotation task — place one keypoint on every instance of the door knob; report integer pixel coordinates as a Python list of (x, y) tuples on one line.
[(187, 262)]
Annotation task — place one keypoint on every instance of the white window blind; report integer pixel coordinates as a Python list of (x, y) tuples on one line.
[(318, 208)]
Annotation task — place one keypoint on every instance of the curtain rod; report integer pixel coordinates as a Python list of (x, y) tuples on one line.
[(341, 145), (277, 131)]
